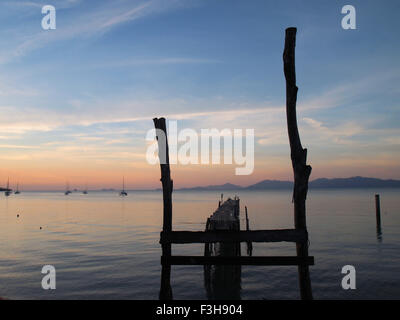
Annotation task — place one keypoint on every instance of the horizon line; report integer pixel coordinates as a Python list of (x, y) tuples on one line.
[(105, 189)]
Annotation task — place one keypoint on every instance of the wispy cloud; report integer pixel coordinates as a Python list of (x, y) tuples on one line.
[(339, 134), (60, 4), (13, 146), (24, 4), (344, 94), (97, 21), (128, 15), (16, 90), (19, 120), (155, 61)]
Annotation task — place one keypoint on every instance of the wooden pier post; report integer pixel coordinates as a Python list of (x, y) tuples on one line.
[(249, 243), (378, 216), (301, 170), (247, 219), (167, 185), (378, 210)]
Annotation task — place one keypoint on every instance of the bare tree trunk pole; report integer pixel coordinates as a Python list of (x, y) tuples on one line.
[(167, 185), (301, 170), (378, 217)]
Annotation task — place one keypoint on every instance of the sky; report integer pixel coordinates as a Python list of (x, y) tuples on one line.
[(77, 102)]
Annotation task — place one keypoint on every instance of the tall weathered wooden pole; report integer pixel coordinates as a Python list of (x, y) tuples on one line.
[(378, 217), (301, 170), (167, 185), (249, 243)]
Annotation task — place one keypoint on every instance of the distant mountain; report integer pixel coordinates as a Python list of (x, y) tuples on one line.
[(354, 182), (322, 183), (4, 189), (226, 186), (271, 184)]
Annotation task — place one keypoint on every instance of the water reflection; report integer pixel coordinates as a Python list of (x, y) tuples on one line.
[(101, 253), (379, 233), (223, 282)]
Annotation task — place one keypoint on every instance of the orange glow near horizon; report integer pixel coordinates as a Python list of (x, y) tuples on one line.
[(45, 175)]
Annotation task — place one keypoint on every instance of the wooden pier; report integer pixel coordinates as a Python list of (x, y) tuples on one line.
[(223, 281), (223, 230), (222, 239)]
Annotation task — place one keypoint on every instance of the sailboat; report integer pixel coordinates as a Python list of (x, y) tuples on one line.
[(123, 193), (67, 191), (85, 191), (8, 190), (17, 191)]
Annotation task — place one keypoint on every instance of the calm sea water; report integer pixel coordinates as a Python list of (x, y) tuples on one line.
[(106, 247)]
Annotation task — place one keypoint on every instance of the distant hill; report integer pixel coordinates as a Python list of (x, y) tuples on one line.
[(4, 189), (226, 186), (271, 184), (354, 182), (322, 183)]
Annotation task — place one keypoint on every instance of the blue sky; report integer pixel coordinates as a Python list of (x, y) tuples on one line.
[(79, 100)]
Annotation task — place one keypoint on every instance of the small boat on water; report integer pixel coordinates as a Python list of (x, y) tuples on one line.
[(67, 191), (123, 193), (8, 190), (17, 191), (85, 191)]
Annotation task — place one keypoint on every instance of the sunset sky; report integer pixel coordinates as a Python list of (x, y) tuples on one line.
[(76, 102)]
